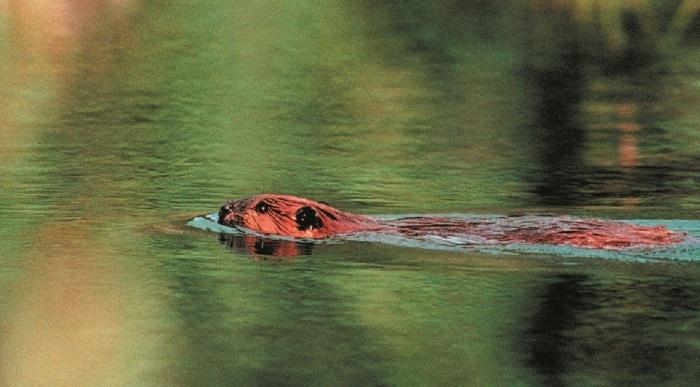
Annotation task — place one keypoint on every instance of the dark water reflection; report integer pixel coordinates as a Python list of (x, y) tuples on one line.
[(119, 120), (562, 71), (586, 326), (261, 247)]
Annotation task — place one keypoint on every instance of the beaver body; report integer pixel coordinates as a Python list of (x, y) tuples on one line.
[(296, 217)]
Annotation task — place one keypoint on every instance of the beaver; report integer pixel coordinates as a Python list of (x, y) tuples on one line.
[(299, 218)]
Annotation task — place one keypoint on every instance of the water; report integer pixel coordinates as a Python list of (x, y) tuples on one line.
[(121, 120)]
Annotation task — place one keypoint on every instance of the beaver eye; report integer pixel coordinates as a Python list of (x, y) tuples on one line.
[(262, 207)]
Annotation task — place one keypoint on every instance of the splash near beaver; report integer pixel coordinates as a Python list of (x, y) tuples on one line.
[(299, 218)]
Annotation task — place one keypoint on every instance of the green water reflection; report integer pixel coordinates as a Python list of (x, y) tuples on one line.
[(121, 119)]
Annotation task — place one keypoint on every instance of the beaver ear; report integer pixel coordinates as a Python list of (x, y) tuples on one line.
[(307, 219)]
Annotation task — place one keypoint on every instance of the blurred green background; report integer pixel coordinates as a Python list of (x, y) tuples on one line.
[(120, 119)]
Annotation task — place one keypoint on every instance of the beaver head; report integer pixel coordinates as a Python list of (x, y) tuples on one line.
[(290, 216)]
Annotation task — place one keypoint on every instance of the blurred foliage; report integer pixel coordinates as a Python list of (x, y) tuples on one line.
[(120, 118)]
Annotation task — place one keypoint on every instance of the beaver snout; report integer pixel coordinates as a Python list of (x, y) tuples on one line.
[(224, 211)]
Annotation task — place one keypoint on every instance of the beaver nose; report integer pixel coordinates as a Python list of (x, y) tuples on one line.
[(224, 211)]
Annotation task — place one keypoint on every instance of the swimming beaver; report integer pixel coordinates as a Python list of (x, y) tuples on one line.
[(297, 217)]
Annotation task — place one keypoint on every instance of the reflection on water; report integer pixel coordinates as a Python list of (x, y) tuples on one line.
[(261, 247), (562, 302), (630, 312), (556, 73), (570, 81), (121, 119)]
